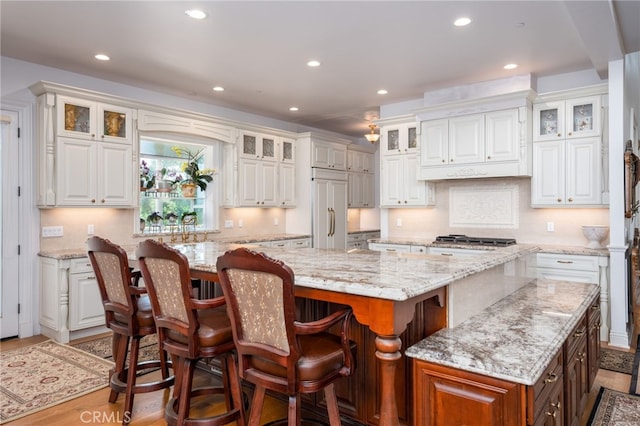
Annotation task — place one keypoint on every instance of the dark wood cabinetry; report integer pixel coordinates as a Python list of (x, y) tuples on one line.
[(558, 398)]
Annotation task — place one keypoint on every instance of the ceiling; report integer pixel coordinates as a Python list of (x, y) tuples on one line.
[(257, 50)]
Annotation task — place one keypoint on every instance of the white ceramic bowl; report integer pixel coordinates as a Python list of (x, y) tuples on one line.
[(595, 234)]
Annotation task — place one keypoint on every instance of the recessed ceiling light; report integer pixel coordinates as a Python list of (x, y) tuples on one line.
[(218, 89), (382, 92), (195, 14), (293, 109), (102, 57), (313, 63), (510, 66), (461, 22)]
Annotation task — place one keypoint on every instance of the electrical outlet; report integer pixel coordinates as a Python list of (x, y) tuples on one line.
[(90, 230), (398, 222), (240, 223), (52, 231), (551, 226), (276, 221), (228, 223)]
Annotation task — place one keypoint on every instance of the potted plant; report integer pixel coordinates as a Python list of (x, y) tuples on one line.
[(147, 179), (166, 179), (196, 177)]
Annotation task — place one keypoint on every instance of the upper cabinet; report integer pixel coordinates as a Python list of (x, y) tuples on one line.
[(494, 141), (85, 152), (567, 119), (570, 153), (399, 167), (329, 155), (399, 139), (361, 188), (79, 118), (257, 146)]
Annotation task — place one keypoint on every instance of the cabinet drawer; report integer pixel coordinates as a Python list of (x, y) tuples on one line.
[(593, 313), (579, 333), (356, 237), (549, 378), (565, 261), (80, 265), (406, 248)]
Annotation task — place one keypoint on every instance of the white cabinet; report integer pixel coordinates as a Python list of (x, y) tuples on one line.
[(358, 240), (567, 119), (569, 159), (398, 248), (71, 305), (85, 301), (399, 139), (257, 183), (399, 184), (266, 172), (93, 174), (328, 155), (361, 178), (85, 153), (578, 268), (567, 173), (86, 119), (454, 252), (491, 144), (291, 243)]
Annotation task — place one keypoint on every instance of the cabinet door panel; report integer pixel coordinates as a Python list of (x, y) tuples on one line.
[(76, 117), (583, 172), (392, 181), (466, 139), (115, 168), (287, 186), (269, 182), (502, 135), (435, 145), (85, 302), (583, 117), (249, 193), (415, 190), (547, 182), (76, 172)]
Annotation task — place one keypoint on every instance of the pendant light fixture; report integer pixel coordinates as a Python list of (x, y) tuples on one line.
[(372, 137)]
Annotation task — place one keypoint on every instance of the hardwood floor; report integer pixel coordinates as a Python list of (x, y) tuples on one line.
[(148, 408)]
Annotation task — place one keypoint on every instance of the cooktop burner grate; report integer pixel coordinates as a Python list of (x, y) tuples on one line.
[(479, 241)]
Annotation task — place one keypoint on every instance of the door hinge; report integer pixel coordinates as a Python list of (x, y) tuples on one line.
[(18, 132), (18, 308), (18, 249), (19, 192)]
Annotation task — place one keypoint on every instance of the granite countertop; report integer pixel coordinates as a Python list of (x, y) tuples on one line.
[(515, 338), (391, 276), (544, 248)]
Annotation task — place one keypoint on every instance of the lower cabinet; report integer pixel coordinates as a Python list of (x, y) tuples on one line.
[(71, 305), (445, 395)]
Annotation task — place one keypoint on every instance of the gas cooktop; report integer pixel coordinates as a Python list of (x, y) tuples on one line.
[(478, 241)]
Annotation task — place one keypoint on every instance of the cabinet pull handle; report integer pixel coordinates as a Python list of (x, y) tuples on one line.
[(91, 278), (559, 134), (550, 414), (551, 378), (565, 261), (556, 405), (446, 254), (488, 157), (390, 249), (570, 199), (579, 333), (93, 200), (559, 200)]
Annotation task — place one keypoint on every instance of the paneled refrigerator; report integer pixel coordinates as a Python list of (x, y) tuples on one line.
[(329, 188)]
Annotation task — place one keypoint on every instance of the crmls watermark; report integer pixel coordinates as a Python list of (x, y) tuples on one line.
[(101, 417)]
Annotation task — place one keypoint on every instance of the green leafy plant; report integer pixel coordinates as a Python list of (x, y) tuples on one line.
[(201, 177)]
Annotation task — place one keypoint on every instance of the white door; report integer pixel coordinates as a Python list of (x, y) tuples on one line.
[(9, 278)]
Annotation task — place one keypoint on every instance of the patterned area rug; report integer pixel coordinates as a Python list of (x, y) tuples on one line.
[(619, 361), (102, 347), (615, 408), (39, 376)]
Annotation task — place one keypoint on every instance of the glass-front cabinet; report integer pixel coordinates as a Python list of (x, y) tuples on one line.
[(401, 139), (85, 119), (569, 119), (257, 146)]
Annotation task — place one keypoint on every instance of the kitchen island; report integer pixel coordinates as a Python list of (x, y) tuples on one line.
[(384, 290)]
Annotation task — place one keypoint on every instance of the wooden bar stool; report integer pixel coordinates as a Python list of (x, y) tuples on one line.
[(275, 351), (128, 314), (189, 329)]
